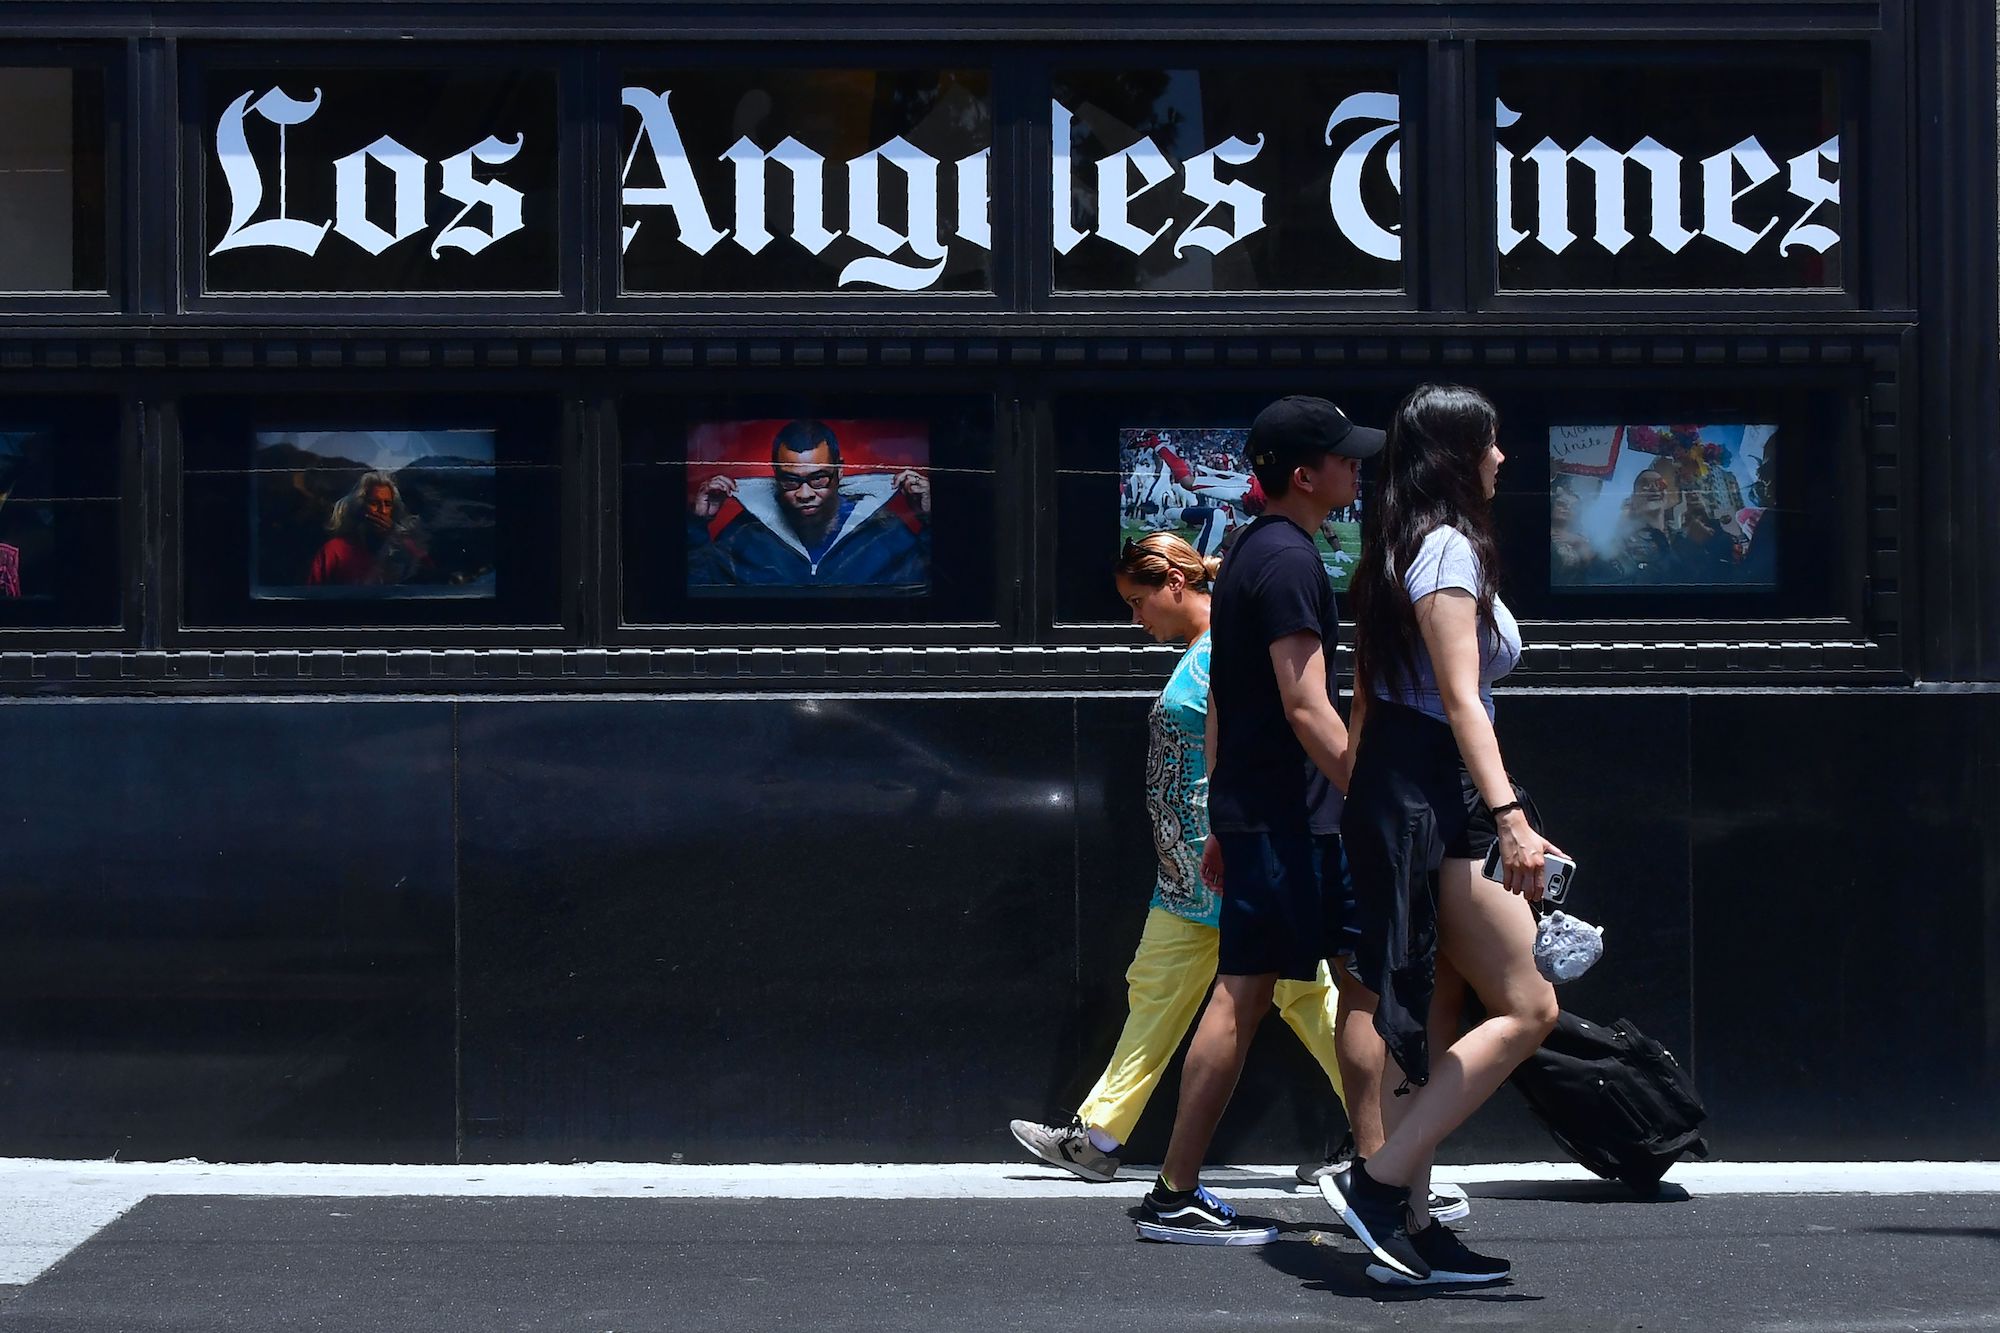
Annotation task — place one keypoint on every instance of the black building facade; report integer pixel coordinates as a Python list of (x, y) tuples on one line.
[(432, 741)]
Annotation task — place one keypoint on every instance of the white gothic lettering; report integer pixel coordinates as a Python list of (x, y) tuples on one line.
[(1666, 174), (408, 172), (920, 231)]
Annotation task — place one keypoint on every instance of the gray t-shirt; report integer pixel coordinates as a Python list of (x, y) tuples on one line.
[(1446, 561)]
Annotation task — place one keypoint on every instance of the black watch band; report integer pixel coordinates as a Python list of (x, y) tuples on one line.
[(1499, 810)]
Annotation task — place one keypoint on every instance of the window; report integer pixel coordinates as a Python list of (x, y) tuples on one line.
[(1128, 464), (392, 510), (59, 513), (1240, 179), (1670, 175), (790, 180), (52, 180), (378, 180), (808, 508)]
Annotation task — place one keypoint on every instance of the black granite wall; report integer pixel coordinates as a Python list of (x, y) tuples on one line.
[(875, 929)]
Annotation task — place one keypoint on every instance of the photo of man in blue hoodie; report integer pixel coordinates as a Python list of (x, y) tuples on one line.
[(809, 525)]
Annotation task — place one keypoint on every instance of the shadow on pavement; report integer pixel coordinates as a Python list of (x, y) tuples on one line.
[(1345, 1273), (1573, 1191), (1969, 1233)]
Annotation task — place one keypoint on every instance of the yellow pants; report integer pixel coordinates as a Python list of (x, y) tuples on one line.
[(1170, 975)]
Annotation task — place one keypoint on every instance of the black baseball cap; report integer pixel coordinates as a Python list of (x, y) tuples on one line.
[(1301, 429)]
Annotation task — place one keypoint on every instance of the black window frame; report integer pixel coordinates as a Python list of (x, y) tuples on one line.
[(611, 63), (1848, 61), (1012, 488), (1408, 58), (198, 60), (111, 62), (569, 463)]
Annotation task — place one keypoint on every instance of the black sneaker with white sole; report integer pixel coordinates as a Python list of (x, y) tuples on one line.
[(1449, 1261), (1196, 1217), (1374, 1213)]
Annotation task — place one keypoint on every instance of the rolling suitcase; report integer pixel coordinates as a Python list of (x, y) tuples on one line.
[(1614, 1099)]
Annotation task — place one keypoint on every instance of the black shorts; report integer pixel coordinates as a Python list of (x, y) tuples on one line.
[(1287, 904), (1476, 838)]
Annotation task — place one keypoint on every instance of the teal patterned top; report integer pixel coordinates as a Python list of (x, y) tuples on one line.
[(1177, 788)]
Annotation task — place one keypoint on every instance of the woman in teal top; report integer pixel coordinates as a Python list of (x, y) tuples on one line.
[(1166, 583)]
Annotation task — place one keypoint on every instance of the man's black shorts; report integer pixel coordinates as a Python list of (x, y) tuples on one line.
[(1287, 904)]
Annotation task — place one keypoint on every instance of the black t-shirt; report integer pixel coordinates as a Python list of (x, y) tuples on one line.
[(1272, 585)]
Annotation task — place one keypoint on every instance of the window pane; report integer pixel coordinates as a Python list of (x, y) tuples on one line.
[(1676, 503), (1129, 465), (396, 511), (52, 181), (59, 508), (1668, 177), (810, 509), (382, 180), (807, 180), (1228, 180)]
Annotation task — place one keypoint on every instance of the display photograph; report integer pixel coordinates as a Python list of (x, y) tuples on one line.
[(1662, 506), (27, 519), (367, 514), (1197, 482), (808, 507)]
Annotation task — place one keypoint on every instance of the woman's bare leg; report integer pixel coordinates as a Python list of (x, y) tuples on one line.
[(1446, 1018), (1488, 936)]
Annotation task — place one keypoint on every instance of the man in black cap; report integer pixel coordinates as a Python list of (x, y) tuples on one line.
[(1277, 763)]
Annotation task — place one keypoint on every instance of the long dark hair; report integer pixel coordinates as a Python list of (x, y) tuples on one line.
[(1429, 479)]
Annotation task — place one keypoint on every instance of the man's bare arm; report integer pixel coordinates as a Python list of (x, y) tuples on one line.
[(1301, 665)]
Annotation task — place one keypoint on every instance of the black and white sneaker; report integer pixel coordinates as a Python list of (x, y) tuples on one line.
[(1374, 1213), (1448, 1258), (1196, 1217), (1449, 1204), (1311, 1173)]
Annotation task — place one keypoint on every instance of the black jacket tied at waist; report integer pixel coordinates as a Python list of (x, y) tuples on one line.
[(1407, 802)]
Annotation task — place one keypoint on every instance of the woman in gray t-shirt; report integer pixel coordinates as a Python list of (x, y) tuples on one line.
[(1428, 797)]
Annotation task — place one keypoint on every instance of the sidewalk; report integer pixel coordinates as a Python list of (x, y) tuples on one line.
[(198, 1248)]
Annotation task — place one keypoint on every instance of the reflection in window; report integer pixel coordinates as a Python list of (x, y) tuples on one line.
[(411, 511), (808, 508), (807, 180), (1667, 177), (52, 180), (375, 513), (1196, 482), (1685, 506), (1228, 180), (59, 547)]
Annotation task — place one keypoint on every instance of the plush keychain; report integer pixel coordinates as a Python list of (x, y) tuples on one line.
[(1566, 947)]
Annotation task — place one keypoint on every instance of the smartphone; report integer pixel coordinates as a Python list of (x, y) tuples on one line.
[(1561, 873)]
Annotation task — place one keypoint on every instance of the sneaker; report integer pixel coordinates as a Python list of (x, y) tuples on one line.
[(1374, 1213), (1449, 1204), (1068, 1147), (1448, 1258), (1197, 1217), (1311, 1173)]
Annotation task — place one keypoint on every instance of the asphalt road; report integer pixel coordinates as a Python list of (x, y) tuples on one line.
[(1595, 1261)]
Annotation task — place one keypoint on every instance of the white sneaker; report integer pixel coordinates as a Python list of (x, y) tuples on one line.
[(1068, 1147)]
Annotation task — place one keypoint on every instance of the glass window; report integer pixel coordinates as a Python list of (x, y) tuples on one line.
[(1132, 464), (789, 180), (379, 180), (1679, 504), (1228, 180), (1668, 176), (59, 513), (808, 508), (52, 180), (396, 511)]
